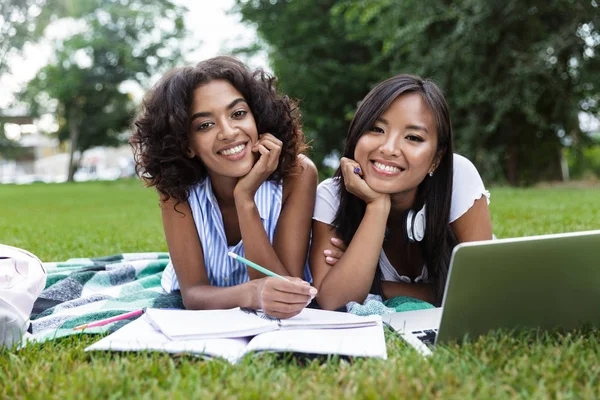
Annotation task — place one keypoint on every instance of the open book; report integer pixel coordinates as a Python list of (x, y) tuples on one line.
[(240, 322), (230, 335)]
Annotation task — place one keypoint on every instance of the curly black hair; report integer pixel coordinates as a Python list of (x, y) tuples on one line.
[(160, 138)]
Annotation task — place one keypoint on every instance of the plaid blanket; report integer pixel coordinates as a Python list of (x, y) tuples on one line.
[(84, 290)]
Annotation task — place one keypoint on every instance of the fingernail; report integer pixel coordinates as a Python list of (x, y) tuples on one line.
[(330, 259), (313, 291), (327, 252), (335, 240)]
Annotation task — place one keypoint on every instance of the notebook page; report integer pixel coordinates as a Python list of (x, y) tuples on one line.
[(208, 324), (324, 319), (140, 335), (135, 336), (367, 341)]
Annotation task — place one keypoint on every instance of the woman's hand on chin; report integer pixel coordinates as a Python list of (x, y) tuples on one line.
[(269, 148), (355, 184)]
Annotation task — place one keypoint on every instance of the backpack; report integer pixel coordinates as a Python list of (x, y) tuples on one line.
[(22, 279)]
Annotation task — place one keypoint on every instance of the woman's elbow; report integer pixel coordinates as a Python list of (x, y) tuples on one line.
[(329, 303), (191, 300)]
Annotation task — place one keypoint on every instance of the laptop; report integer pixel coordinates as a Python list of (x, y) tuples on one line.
[(545, 282)]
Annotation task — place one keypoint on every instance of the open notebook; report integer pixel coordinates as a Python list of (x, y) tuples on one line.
[(240, 322), (233, 333)]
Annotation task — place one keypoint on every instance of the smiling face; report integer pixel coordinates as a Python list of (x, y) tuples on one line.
[(222, 130), (398, 151)]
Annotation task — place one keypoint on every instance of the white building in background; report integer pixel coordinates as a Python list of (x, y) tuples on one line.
[(106, 163), (24, 168), (42, 160)]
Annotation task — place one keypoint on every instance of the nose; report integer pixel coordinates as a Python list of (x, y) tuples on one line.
[(391, 146), (228, 130)]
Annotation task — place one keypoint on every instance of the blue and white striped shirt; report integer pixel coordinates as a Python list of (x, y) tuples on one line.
[(221, 269)]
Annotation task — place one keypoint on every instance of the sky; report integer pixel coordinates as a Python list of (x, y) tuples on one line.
[(212, 31), (216, 30)]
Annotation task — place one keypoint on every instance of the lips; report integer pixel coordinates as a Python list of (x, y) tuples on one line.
[(386, 168), (235, 152), (231, 151)]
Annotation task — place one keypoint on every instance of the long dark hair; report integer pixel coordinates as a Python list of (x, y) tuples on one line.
[(160, 138), (435, 191)]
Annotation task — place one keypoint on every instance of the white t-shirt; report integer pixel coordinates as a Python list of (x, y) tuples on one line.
[(467, 187)]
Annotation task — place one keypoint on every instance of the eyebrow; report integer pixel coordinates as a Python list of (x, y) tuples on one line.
[(229, 107), (411, 126), (418, 128)]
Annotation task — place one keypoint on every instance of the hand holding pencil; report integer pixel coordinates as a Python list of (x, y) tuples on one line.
[(279, 296)]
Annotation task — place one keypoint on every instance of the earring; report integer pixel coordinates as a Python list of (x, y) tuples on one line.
[(431, 174)]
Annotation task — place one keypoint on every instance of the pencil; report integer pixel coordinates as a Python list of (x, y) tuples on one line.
[(109, 320), (256, 266)]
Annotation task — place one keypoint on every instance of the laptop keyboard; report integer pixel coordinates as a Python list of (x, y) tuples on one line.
[(426, 336)]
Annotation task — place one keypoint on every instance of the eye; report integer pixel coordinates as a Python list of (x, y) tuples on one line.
[(376, 129), (414, 138), (204, 126), (239, 113)]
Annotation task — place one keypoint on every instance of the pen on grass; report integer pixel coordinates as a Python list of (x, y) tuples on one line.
[(255, 266), (109, 320)]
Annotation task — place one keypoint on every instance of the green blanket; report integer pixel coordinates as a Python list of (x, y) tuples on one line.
[(84, 290)]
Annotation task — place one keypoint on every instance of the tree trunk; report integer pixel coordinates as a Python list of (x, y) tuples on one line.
[(73, 138), (512, 164)]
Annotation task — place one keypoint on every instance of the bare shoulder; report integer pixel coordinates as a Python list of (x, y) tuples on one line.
[(305, 166), (172, 208), (303, 177)]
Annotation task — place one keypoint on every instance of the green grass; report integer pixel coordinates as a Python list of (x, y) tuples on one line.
[(94, 219), (62, 221)]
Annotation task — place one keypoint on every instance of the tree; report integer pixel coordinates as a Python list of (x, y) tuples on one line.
[(18, 25), (516, 74), (317, 64), (123, 40)]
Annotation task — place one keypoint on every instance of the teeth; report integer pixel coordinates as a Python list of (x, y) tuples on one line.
[(386, 168), (233, 150)]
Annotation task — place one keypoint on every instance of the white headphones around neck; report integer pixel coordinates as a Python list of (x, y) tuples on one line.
[(415, 225)]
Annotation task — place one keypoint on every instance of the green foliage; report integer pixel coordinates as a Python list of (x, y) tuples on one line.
[(59, 221), (515, 74), (20, 22), (585, 164), (122, 41), (317, 64), (8, 148)]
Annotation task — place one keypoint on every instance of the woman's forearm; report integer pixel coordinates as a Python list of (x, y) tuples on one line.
[(351, 277), (257, 246), (207, 297)]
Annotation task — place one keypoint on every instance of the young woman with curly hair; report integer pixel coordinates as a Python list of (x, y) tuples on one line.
[(400, 201), (224, 150)]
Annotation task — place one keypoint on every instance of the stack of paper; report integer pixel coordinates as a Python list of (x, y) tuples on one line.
[(233, 333)]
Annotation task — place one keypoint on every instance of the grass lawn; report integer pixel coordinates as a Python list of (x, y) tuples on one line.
[(62, 221)]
